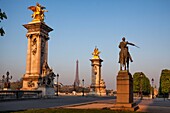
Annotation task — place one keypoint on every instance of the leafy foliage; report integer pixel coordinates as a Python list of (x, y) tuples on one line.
[(2, 16), (164, 82), (141, 82)]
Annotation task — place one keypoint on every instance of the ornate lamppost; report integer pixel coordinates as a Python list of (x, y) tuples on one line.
[(152, 88), (141, 92), (83, 86), (57, 83), (6, 81)]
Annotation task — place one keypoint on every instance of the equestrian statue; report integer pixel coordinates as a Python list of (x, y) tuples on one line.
[(124, 55)]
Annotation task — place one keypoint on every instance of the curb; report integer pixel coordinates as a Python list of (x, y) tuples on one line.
[(74, 105)]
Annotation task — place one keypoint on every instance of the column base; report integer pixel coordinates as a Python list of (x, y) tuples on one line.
[(125, 107), (125, 92), (47, 91), (30, 82), (124, 87), (97, 90)]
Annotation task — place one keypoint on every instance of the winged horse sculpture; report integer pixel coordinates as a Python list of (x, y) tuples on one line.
[(38, 12)]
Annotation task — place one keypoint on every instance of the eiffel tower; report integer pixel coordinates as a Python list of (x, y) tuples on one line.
[(77, 81)]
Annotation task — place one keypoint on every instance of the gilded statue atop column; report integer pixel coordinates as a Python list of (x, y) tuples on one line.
[(96, 53), (38, 12)]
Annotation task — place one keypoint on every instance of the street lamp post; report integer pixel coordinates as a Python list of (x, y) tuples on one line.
[(83, 86), (6, 80), (57, 84), (152, 89), (141, 93)]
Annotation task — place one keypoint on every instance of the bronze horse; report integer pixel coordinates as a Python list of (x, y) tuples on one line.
[(124, 59)]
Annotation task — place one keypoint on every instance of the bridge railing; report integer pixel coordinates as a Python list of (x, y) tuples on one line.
[(19, 94)]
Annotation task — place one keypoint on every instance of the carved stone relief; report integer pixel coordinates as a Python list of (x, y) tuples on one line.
[(30, 84), (34, 46)]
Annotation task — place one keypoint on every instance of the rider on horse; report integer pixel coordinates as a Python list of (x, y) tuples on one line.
[(124, 54)]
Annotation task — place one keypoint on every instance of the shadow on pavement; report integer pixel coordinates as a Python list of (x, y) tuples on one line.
[(157, 105)]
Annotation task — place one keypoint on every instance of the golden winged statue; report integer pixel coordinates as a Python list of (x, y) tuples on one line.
[(96, 53), (38, 12)]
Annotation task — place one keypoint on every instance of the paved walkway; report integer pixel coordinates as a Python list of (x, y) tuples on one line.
[(155, 106), (16, 105), (147, 105)]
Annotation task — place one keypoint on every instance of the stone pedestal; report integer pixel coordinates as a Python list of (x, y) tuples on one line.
[(30, 82), (124, 87), (98, 87), (125, 92), (47, 91)]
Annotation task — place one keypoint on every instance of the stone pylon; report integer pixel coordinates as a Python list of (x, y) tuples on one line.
[(37, 53), (98, 86), (38, 76)]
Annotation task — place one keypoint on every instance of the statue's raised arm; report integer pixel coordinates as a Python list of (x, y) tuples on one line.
[(38, 12), (131, 44)]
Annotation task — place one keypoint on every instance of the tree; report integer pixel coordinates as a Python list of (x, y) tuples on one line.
[(164, 87), (146, 86), (17, 85), (2, 16), (141, 82), (136, 82)]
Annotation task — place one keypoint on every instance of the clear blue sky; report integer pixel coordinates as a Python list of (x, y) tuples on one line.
[(79, 26)]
